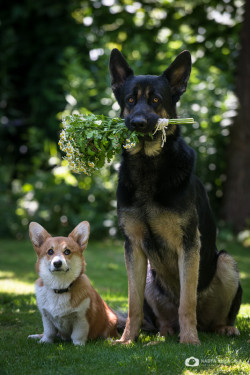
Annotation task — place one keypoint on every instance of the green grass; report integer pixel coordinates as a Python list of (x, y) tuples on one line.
[(19, 317)]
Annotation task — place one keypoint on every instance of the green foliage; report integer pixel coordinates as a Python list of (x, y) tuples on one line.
[(55, 61), (92, 140)]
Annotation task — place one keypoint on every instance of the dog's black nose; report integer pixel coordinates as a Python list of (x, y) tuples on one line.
[(57, 264), (139, 123)]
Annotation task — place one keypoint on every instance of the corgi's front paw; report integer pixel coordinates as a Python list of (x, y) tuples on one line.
[(37, 336), (79, 342), (46, 340)]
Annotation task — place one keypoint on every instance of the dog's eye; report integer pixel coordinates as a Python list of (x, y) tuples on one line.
[(131, 100), (67, 252), (156, 100), (51, 252)]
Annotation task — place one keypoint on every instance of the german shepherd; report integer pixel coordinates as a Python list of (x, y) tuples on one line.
[(176, 276)]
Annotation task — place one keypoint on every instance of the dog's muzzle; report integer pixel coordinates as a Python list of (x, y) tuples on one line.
[(139, 123), (58, 264), (142, 123)]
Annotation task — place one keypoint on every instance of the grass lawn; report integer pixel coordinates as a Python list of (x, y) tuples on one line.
[(19, 317)]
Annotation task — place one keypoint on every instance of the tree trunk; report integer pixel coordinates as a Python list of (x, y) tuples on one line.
[(236, 205)]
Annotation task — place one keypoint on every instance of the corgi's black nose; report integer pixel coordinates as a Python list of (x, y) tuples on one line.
[(139, 123), (57, 264)]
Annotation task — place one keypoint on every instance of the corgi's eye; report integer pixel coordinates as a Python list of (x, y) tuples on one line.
[(131, 100), (51, 252), (156, 100), (67, 252)]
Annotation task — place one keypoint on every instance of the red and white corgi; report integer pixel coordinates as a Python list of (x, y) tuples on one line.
[(69, 305)]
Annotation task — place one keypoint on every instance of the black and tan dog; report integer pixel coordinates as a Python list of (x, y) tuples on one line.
[(176, 276)]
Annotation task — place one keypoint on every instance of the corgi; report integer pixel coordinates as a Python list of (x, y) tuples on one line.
[(70, 307)]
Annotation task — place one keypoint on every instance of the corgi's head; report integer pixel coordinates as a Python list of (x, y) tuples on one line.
[(60, 259)]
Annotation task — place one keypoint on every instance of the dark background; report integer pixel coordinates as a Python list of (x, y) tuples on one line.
[(54, 60)]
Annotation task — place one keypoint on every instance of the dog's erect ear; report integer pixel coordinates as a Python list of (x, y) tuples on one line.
[(178, 74), (38, 235), (81, 234), (119, 69)]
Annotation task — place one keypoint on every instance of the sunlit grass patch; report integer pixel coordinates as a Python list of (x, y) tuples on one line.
[(10, 284), (245, 310)]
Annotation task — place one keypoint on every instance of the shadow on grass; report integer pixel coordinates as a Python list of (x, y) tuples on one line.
[(17, 259), (12, 303)]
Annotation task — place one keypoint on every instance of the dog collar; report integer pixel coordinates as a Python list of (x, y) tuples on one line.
[(61, 291)]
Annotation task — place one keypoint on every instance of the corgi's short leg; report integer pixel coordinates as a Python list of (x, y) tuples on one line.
[(50, 330), (80, 332)]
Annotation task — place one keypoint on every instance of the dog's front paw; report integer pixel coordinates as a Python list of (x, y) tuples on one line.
[(46, 340), (227, 330), (166, 330), (37, 336), (122, 342), (190, 338), (79, 342)]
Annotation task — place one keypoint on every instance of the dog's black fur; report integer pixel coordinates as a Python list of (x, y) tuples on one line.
[(166, 218)]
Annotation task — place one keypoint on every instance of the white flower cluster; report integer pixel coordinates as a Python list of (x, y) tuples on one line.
[(73, 154), (128, 144)]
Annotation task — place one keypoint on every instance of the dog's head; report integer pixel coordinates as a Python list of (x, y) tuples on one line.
[(60, 259), (146, 98)]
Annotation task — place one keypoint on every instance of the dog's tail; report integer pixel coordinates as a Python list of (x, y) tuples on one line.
[(147, 324), (122, 319)]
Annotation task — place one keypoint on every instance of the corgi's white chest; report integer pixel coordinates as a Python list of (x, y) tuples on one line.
[(55, 304), (57, 308)]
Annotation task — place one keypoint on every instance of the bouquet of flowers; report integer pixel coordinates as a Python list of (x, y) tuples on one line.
[(89, 141)]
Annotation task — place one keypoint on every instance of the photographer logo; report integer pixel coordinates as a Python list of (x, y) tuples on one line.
[(192, 362)]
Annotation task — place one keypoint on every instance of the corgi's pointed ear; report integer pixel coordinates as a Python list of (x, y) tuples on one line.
[(81, 234), (38, 235), (119, 70), (178, 74)]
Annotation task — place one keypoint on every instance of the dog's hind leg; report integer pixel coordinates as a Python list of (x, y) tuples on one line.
[(219, 304), (136, 263), (235, 306), (230, 295), (228, 328)]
